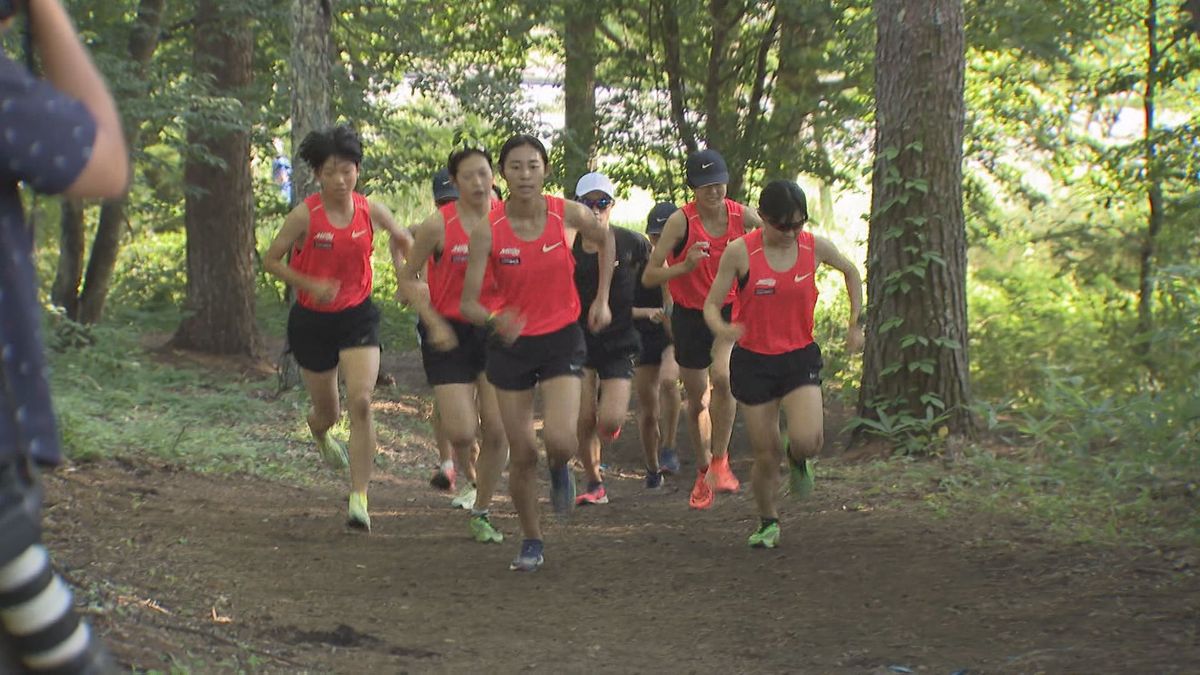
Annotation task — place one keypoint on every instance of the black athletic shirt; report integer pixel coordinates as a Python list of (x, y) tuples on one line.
[(633, 252), (647, 297)]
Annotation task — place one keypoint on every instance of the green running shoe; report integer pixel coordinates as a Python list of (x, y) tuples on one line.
[(465, 498), (359, 518), (332, 452), (483, 531), (766, 536), (801, 478)]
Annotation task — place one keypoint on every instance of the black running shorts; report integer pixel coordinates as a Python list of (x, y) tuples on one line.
[(693, 339), (461, 365), (317, 338), (613, 356), (654, 343), (533, 358), (760, 378)]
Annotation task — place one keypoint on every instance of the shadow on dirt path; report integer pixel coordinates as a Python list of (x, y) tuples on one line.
[(213, 573)]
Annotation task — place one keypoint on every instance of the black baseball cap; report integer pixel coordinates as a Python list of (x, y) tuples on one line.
[(658, 217), (706, 167), (444, 189)]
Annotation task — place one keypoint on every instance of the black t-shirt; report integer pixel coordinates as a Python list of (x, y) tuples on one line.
[(647, 297), (633, 252)]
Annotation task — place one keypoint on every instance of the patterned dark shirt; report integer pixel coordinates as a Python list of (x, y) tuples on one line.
[(46, 140)]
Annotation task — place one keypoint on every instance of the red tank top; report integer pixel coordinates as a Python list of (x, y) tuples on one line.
[(446, 274), (341, 253), (777, 307), (689, 290), (535, 278)]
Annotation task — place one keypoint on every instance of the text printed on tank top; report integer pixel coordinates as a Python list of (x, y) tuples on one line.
[(323, 240), (510, 256), (765, 287), (458, 254)]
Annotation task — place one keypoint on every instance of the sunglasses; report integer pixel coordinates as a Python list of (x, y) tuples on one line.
[(598, 204), (787, 227)]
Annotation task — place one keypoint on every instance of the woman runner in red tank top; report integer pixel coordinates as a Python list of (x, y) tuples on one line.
[(453, 349), (537, 339), (334, 326), (776, 364), (686, 258)]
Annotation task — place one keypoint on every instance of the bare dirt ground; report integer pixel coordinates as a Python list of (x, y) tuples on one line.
[(216, 573)]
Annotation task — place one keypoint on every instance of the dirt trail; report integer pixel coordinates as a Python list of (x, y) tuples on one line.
[(220, 573)]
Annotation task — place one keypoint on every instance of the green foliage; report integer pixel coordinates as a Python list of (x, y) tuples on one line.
[(114, 399), (151, 273)]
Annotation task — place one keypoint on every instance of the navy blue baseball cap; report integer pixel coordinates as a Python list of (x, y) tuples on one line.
[(444, 189), (706, 167), (658, 217)]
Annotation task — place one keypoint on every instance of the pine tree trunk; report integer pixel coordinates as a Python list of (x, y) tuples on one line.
[(916, 268), (103, 260), (143, 42), (70, 257), (579, 90), (310, 63), (219, 207)]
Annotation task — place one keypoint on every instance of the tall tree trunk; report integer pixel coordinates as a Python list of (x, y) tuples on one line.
[(579, 88), (794, 97), (103, 261), (677, 76), (70, 257), (143, 41), (219, 209), (310, 66), (1154, 192), (916, 268)]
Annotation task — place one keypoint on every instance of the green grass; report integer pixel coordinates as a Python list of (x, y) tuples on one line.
[(1130, 497), (117, 399)]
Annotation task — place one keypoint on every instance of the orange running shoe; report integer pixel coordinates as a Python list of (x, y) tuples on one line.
[(723, 479), (702, 494)]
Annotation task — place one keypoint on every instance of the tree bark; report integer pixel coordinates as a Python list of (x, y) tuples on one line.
[(796, 92), (310, 68), (579, 89), (70, 257), (1154, 191), (677, 77), (143, 41), (219, 208), (916, 268)]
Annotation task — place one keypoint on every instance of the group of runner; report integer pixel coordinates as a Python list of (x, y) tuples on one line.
[(537, 291)]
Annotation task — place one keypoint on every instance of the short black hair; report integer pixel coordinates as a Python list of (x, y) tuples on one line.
[(340, 141), (520, 140), (461, 154), (782, 198)]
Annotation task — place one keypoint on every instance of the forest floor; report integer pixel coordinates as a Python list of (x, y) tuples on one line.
[(183, 571)]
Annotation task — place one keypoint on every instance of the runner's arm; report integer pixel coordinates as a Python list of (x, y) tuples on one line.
[(428, 237), (735, 263), (478, 252), (400, 241), (828, 254), (750, 219), (657, 271), (292, 234)]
